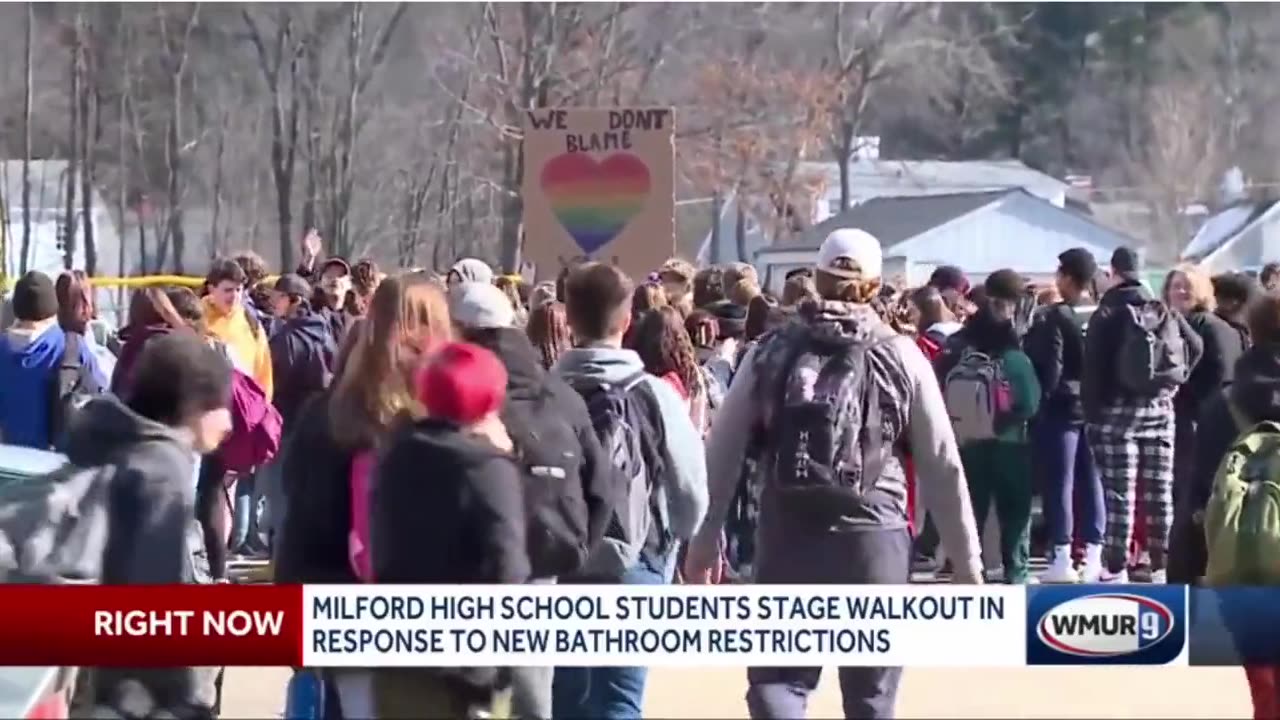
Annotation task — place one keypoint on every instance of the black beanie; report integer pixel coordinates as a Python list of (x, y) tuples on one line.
[(1004, 285), (1078, 264), (1124, 260), (34, 298), (731, 318), (949, 277)]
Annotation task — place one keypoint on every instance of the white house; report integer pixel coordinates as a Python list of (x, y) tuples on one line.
[(978, 231), (871, 178), (47, 213), (1244, 236)]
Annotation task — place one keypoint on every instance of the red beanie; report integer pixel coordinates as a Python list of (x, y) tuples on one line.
[(462, 383)]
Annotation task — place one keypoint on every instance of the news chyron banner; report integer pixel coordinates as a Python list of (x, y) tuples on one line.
[(674, 626)]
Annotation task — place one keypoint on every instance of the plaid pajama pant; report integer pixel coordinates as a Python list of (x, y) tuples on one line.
[(1133, 446)]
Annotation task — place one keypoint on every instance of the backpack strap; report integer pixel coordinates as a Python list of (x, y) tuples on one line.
[(66, 375), (653, 447), (1238, 416)]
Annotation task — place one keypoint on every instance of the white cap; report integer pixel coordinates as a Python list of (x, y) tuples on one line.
[(859, 246), (480, 306)]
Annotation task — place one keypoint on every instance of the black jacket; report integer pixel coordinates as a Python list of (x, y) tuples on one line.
[(1102, 343), (461, 521), (535, 401), (1055, 344), (1255, 395), (154, 540), (302, 360), (315, 477), (448, 508), (1224, 343), (981, 332)]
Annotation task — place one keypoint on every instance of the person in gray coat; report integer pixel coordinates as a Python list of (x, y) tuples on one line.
[(175, 410), (833, 532)]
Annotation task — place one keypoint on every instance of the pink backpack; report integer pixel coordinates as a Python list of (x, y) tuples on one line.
[(255, 426), (358, 537)]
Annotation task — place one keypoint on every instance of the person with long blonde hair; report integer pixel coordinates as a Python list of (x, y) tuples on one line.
[(407, 317), (1189, 290), (330, 450)]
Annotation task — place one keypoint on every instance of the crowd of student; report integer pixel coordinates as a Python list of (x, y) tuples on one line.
[(409, 428)]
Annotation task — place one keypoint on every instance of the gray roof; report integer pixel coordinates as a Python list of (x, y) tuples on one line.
[(894, 219), (1223, 227), (877, 178)]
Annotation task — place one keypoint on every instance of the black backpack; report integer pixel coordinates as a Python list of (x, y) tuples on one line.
[(829, 442), (1152, 353), (628, 422), (70, 387), (550, 455)]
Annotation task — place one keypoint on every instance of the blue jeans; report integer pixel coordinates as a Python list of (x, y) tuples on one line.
[(608, 693), (1071, 481)]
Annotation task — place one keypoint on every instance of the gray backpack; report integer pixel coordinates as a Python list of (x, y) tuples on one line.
[(828, 433), (628, 422), (54, 528), (1153, 354)]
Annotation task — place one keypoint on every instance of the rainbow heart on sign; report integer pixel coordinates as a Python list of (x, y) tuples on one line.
[(594, 200)]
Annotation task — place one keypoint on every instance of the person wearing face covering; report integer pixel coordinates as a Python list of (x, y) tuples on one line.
[(999, 468)]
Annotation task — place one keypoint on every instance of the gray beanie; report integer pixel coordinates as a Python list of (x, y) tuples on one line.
[(480, 306)]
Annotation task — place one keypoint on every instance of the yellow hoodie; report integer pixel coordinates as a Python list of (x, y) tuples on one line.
[(251, 351)]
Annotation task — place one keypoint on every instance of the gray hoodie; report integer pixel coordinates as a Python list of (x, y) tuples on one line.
[(154, 540), (685, 502), (940, 476)]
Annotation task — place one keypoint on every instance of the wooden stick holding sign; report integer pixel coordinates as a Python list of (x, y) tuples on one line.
[(600, 183)]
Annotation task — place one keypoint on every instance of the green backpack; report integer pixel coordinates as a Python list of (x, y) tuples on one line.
[(1242, 519)]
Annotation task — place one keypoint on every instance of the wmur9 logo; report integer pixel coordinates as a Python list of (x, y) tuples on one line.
[(1105, 625)]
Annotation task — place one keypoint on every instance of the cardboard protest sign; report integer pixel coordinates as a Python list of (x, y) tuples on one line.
[(599, 183)]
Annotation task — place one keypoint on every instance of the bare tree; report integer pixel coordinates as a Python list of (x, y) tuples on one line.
[(73, 143), (1182, 158), (279, 57), (27, 82), (176, 40), (90, 125)]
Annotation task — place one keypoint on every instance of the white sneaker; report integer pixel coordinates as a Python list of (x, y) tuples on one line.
[(1120, 578), (1091, 568), (1159, 577), (1061, 569)]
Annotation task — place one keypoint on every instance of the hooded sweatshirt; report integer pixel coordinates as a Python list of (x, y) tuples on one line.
[(998, 339), (927, 434), (249, 346), (532, 390), (154, 539), (464, 523), (1254, 396), (684, 502), (303, 355), (315, 477), (28, 361), (132, 339), (1099, 388)]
